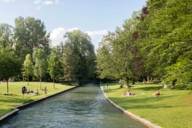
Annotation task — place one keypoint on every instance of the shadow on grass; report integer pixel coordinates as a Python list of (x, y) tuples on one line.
[(143, 88), (12, 99), (141, 103), (113, 89), (149, 88)]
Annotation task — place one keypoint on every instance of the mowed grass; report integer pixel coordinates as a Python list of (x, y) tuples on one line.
[(172, 109), (15, 97)]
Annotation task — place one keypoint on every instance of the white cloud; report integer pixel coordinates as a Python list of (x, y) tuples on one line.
[(72, 29), (97, 33), (57, 35), (96, 36)]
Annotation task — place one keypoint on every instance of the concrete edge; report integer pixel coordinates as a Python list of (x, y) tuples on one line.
[(145, 122), (23, 106), (9, 114)]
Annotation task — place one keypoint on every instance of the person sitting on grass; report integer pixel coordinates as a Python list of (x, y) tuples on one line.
[(24, 90), (129, 93), (37, 92)]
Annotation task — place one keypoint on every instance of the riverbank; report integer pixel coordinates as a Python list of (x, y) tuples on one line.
[(172, 109), (15, 98)]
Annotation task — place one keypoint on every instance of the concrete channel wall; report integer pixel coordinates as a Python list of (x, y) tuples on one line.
[(145, 122), (21, 107)]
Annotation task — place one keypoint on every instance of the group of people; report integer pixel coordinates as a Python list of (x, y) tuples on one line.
[(129, 93), (25, 91)]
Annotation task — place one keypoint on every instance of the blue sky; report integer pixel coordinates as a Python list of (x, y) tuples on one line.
[(95, 17)]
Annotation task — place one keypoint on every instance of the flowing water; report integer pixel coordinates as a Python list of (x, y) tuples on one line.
[(84, 107)]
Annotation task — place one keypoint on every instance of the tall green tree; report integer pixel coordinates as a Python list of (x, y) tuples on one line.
[(6, 36), (165, 40), (40, 64), (54, 66), (30, 33), (27, 67), (105, 62), (9, 65), (118, 56), (78, 57)]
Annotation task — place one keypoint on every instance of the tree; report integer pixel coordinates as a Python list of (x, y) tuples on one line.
[(29, 34), (167, 48), (54, 66), (78, 57), (105, 61), (40, 64), (118, 56), (6, 36), (9, 65), (28, 67)]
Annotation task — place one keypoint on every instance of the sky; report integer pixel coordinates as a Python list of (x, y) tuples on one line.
[(95, 17)]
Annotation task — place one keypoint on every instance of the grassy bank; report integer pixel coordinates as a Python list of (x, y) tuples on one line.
[(15, 98), (172, 109)]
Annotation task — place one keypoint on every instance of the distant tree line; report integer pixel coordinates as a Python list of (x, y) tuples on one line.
[(154, 45), (25, 54)]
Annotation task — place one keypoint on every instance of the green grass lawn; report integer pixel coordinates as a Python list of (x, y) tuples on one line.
[(173, 109), (9, 102)]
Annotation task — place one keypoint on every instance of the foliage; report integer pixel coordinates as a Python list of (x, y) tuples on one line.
[(54, 65), (29, 34), (40, 63), (6, 36), (9, 65), (28, 67), (166, 41), (78, 57), (155, 44), (118, 55)]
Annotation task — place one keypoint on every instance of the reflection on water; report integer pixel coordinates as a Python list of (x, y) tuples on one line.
[(84, 107)]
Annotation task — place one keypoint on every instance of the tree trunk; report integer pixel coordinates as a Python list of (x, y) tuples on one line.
[(40, 83), (28, 81), (133, 82), (53, 83), (121, 85), (174, 83), (148, 79), (127, 83), (7, 86)]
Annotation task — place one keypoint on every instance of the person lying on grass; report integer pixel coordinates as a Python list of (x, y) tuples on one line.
[(129, 93), (157, 93)]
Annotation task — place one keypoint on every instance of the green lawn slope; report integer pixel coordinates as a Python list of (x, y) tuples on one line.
[(172, 109), (15, 98)]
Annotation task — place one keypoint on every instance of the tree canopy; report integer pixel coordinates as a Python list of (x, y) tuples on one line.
[(9, 65), (54, 65), (78, 57), (155, 44), (30, 33)]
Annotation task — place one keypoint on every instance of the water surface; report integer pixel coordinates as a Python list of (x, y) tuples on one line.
[(84, 107)]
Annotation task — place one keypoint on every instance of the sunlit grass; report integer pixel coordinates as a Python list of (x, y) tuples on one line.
[(15, 97), (173, 109)]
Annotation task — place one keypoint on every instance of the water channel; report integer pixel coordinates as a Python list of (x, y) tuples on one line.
[(84, 107)]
